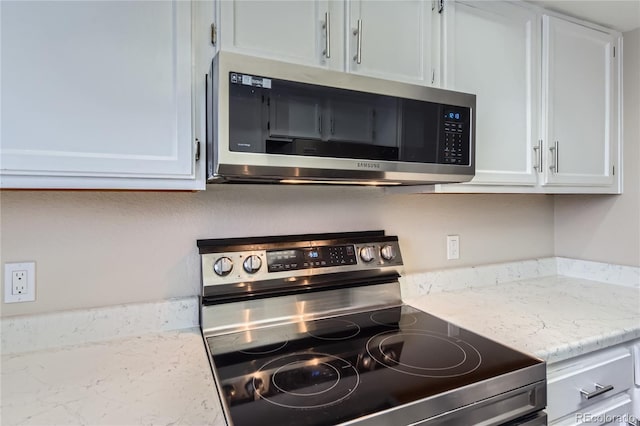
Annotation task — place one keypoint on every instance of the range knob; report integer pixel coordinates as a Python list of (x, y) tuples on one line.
[(223, 266), (367, 253), (252, 264), (388, 252)]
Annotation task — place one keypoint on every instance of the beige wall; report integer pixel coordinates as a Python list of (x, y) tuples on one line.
[(104, 248), (607, 228)]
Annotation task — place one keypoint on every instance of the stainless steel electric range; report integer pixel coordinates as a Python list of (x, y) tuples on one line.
[(311, 330)]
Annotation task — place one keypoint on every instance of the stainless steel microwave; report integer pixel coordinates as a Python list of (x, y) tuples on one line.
[(270, 121)]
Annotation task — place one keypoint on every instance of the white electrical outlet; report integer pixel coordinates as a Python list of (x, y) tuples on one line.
[(453, 247), (19, 282)]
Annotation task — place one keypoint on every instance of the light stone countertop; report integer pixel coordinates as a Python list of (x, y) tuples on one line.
[(554, 318), (154, 379), (164, 377)]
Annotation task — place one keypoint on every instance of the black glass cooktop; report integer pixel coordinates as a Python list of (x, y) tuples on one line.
[(329, 371)]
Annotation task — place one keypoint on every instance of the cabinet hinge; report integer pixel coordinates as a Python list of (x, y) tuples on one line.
[(613, 170), (197, 149), (214, 34), (614, 51)]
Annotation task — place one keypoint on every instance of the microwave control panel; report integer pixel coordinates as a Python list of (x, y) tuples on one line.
[(454, 136)]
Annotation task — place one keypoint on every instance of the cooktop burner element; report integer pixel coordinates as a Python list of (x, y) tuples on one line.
[(310, 330), (391, 319), (307, 380), (452, 358), (334, 329)]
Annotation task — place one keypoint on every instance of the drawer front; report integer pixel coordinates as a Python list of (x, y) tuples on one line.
[(613, 370), (614, 411)]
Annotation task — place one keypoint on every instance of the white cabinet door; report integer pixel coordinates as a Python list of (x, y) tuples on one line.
[(291, 31), (394, 41), (492, 49), (580, 88), (97, 94)]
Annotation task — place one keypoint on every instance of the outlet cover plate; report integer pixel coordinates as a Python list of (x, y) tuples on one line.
[(30, 294)]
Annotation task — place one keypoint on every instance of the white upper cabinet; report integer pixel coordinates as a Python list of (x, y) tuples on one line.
[(391, 39), (580, 87), (97, 95), (305, 32), (548, 98), (491, 49)]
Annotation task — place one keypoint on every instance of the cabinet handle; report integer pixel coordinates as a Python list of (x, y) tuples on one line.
[(327, 35), (599, 391), (555, 166), (358, 33), (538, 151)]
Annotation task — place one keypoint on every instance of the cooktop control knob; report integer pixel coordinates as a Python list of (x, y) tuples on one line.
[(223, 266), (367, 253), (252, 264), (388, 252)]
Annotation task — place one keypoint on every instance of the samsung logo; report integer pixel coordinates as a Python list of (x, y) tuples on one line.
[(364, 165)]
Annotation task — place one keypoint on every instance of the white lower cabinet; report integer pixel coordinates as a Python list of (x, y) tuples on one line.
[(100, 95), (592, 389)]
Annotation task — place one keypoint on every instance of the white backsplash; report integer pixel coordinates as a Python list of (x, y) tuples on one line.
[(628, 276), (476, 276), (421, 284)]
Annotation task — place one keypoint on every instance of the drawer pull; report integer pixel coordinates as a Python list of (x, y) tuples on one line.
[(599, 391)]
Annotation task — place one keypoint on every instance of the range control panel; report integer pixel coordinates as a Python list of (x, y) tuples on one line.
[(316, 257), (282, 262)]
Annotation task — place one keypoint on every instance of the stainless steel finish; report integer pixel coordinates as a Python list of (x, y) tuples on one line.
[(232, 317), (555, 167), (327, 35), (252, 264), (538, 153), (225, 165), (600, 389), (241, 279), (511, 400), (388, 252), (222, 266), (358, 33), (367, 253)]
